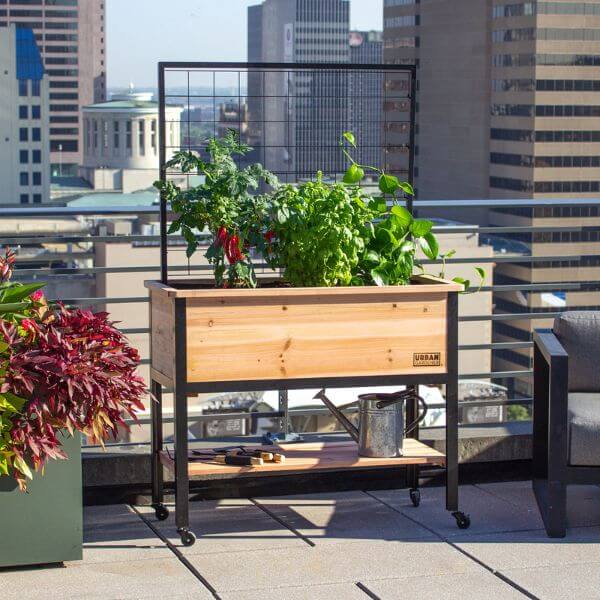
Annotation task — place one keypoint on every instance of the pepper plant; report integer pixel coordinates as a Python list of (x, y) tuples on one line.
[(222, 205)]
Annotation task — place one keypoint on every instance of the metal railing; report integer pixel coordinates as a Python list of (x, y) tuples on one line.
[(63, 260)]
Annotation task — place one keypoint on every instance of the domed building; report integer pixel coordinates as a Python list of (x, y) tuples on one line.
[(120, 145)]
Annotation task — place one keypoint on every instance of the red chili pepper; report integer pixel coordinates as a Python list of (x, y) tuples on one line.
[(221, 238), (269, 236)]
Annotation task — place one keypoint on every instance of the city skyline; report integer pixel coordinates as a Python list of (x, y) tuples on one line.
[(133, 53)]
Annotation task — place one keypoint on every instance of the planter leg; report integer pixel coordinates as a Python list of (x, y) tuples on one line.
[(161, 511), (412, 473), (180, 413)]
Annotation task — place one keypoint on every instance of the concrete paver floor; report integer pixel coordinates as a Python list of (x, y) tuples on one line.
[(371, 544)]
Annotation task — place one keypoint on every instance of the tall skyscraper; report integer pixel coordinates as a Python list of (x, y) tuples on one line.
[(24, 149), (508, 108), (366, 96), (306, 110), (72, 39)]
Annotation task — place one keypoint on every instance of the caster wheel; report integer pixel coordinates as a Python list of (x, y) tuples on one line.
[(463, 521), (161, 512), (187, 537), (415, 497)]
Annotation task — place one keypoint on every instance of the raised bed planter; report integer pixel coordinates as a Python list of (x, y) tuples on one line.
[(207, 339), (45, 524), (298, 333)]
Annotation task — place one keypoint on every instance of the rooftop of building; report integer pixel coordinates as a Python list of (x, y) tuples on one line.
[(357, 544)]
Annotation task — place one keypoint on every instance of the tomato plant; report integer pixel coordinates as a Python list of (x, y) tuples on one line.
[(221, 205)]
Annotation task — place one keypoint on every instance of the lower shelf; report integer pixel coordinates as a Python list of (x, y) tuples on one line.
[(318, 457)]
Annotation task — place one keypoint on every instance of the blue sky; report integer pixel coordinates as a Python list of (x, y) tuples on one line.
[(142, 32)]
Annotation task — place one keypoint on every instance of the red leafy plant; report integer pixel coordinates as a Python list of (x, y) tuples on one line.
[(60, 369)]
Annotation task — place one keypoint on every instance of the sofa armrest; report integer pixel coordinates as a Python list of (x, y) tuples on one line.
[(550, 406), (549, 345)]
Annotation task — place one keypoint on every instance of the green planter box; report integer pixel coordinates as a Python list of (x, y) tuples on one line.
[(45, 525)]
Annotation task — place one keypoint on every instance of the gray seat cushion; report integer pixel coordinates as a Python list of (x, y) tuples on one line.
[(584, 429), (579, 333)]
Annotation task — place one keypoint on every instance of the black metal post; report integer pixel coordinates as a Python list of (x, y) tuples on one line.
[(157, 446), (162, 129), (452, 404), (182, 485), (284, 421), (412, 135)]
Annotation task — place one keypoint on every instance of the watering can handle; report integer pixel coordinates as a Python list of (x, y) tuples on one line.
[(420, 418)]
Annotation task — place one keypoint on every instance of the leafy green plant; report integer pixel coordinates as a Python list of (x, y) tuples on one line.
[(318, 232), (59, 369), (390, 256), (222, 206)]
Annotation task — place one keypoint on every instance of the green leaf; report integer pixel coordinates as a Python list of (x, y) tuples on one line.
[(429, 245), (22, 466), (378, 206), (407, 246), (380, 276), (407, 188), (349, 137), (16, 293), (464, 282), (13, 307), (480, 272), (354, 174), (420, 227), (403, 215), (373, 256), (388, 184)]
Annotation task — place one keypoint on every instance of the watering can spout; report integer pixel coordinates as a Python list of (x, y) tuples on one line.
[(339, 415)]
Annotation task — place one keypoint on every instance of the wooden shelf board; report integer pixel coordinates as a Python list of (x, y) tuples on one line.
[(319, 456)]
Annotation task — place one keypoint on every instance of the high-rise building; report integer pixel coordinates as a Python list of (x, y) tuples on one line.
[(508, 108), (306, 110), (366, 96), (72, 39), (24, 149)]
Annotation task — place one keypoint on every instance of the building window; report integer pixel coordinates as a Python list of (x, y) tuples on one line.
[(86, 132), (23, 91), (36, 134), (36, 112), (24, 178), (95, 134), (24, 157), (23, 112), (104, 136), (37, 178), (24, 198), (37, 198), (142, 132), (35, 88), (23, 134), (153, 138), (128, 135), (116, 134), (36, 157)]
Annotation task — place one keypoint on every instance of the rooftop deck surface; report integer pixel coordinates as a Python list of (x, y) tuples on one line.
[(350, 545)]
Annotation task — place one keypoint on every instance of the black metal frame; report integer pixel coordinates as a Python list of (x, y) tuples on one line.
[(163, 67), (182, 388), (551, 469)]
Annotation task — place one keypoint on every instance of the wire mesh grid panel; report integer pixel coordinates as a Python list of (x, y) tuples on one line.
[(291, 115)]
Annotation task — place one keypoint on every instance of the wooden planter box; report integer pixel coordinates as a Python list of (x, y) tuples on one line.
[(45, 525), (299, 333)]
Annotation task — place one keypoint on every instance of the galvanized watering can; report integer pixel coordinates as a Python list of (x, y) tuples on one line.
[(380, 432)]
